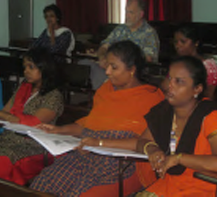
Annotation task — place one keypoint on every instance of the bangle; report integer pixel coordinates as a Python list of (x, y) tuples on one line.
[(178, 157), (147, 144), (100, 142)]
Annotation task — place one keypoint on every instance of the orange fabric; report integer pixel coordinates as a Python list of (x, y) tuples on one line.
[(22, 95), (122, 109), (186, 185), (131, 185)]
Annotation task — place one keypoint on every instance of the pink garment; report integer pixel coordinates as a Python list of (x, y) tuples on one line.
[(211, 69)]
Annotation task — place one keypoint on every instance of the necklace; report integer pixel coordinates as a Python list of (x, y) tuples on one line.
[(173, 134)]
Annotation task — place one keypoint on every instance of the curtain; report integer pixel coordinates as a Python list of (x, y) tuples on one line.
[(169, 10), (83, 16)]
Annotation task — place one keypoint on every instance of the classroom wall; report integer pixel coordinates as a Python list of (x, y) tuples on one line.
[(38, 17), (204, 11)]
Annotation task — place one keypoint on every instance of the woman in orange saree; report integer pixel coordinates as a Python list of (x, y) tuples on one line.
[(116, 120), (182, 139)]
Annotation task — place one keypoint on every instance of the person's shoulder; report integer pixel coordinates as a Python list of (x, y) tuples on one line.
[(210, 61), (120, 27), (53, 93)]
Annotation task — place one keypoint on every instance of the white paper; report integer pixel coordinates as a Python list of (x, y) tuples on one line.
[(115, 152), (58, 144)]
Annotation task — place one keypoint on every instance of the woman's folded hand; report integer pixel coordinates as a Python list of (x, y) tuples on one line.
[(156, 158)]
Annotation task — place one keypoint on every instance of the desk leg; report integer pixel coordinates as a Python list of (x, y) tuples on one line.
[(120, 178)]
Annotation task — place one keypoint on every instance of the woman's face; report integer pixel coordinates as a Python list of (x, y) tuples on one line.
[(50, 18), (184, 45), (31, 72), (181, 89), (117, 72)]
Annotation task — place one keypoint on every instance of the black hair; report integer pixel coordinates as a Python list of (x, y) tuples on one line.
[(141, 3), (56, 11), (43, 60), (196, 69), (131, 55), (191, 33)]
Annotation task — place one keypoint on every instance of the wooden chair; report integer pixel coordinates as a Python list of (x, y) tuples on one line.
[(9, 189)]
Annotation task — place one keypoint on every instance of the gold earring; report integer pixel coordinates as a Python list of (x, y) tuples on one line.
[(132, 74)]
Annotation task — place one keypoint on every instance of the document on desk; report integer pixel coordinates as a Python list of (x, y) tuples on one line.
[(115, 152), (58, 144)]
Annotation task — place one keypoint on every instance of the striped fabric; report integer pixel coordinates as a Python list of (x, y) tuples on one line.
[(75, 172)]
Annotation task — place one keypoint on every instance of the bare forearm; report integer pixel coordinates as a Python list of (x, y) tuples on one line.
[(102, 51), (8, 117), (201, 163), (129, 144), (71, 129)]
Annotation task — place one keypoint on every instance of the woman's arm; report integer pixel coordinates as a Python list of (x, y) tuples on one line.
[(201, 163), (70, 129), (129, 144)]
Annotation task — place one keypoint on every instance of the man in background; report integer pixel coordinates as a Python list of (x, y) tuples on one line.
[(135, 29)]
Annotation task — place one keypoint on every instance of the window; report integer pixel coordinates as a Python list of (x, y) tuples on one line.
[(116, 11)]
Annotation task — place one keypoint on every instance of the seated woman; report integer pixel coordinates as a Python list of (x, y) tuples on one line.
[(59, 40), (181, 135), (116, 120), (187, 42), (36, 101)]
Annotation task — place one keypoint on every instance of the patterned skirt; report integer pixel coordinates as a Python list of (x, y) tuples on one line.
[(16, 146), (75, 173)]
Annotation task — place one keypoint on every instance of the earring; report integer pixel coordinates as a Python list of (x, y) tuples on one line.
[(195, 96), (132, 74)]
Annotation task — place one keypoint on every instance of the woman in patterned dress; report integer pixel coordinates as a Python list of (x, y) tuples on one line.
[(36, 101)]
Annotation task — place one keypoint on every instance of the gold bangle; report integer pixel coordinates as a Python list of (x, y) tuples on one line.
[(178, 157), (100, 142), (147, 144)]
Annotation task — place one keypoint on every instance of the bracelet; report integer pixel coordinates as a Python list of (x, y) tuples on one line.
[(100, 142), (178, 157), (147, 144)]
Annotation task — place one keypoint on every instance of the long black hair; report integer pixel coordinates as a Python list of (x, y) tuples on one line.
[(43, 60), (131, 55)]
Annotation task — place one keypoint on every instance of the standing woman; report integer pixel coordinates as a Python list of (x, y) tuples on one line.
[(36, 101), (187, 42), (57, 39), (181, 135)]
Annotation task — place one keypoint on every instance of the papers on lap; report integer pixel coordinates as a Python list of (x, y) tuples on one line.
[(58, 144)]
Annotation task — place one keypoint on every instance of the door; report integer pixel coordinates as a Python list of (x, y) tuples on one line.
[(20, 19)]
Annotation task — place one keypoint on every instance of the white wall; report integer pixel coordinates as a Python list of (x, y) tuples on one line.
[(38, 17), (204, 11)]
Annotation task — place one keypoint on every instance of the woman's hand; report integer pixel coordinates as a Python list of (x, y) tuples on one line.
[(88, 141), (170, 161), (156, 158), (48, 128)]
